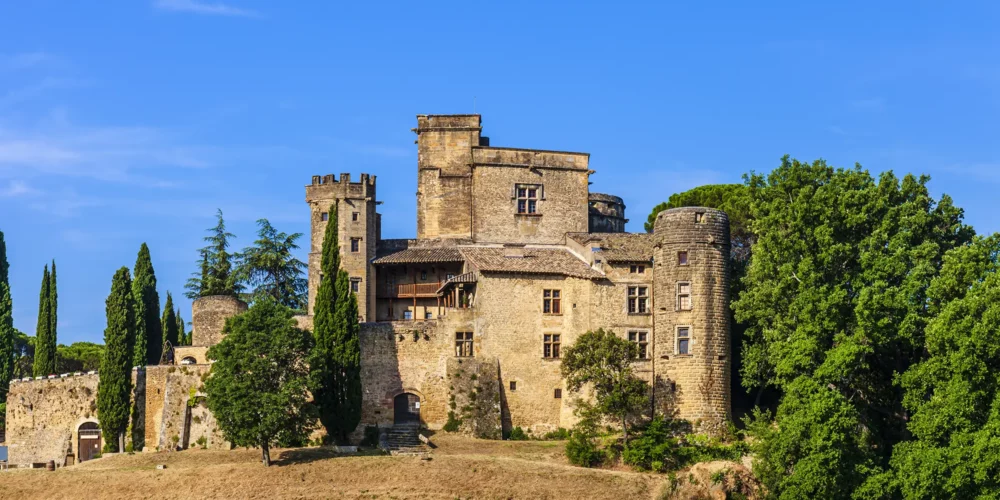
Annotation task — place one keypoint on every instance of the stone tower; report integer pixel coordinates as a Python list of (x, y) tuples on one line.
[(444, 175), (358, 230), (607, 213), (690, 289)]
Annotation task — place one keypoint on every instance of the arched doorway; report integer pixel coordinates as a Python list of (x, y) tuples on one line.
[(406, 409), (88, 441)]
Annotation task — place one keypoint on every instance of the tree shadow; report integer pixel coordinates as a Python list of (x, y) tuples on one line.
[(308, 455)]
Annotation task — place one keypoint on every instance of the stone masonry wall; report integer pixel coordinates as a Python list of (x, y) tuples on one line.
[(208, 317), (444, 159), (43, 417)]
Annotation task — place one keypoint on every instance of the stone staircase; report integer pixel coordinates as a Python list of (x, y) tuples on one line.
[(403, 439)]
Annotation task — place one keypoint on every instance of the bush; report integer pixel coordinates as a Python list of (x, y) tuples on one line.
[(581, 449), (661, 447), (560, 434), (453, 423), (371, 437), (517, 434)]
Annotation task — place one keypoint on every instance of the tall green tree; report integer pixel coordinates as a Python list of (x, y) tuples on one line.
[(335, 359), (603, 361), (53, 335), (257, 391), (185, 337), (148, 331), (115, 386), (217, 275), (169, 323), (836, 304), (79, 357), (45, 362), (269, 268), (7, 335)]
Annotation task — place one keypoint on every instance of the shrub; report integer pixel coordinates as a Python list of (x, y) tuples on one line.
[(202, 442), (453, 423), (581, 449), (560, 434), (662, 446), (371, 436), (129, 448), (517, 434)]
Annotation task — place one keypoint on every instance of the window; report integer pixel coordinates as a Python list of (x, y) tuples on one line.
[(355, 285), (449, 276), (699, 218), (557, 394), (355, 216), (355, 245), (407, 314), (550, 302), (428, 315), (637, 269), (324, 216), (683, 296), (683, 340), (513, 385), (641, 338), (463, 344), (551, 342), (682, 258), (527, 198), (638, 300), (423, 275)]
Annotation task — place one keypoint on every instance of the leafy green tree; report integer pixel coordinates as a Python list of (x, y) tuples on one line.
[(835, 302), (259, 381), (169, 323), (953, 395), (7, 348), (148, 331), (115, 386), (603, 361), (733, 199), (269, 268), (217, 275), (24, 354), (44, 363), (79, 357)]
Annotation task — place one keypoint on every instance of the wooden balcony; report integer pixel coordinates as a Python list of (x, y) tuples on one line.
[(410, 290)]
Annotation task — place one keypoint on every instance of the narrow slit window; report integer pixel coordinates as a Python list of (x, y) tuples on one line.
[(355, 216), (682, 258), (557, 394), (355, 245), (513, 385), (325, 216)]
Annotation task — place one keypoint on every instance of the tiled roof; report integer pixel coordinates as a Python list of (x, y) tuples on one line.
[(461, 278), (533, 261), (421, 255), (619, 247)]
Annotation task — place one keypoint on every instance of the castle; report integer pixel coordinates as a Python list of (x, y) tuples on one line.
[(514, 258)]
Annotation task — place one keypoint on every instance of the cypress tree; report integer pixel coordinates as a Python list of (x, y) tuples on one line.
[(6, 324), (53, 338), (323, 380), (347, 358), (169, 323), (43, 363), (185, 337), (115, 384), (148, 331)]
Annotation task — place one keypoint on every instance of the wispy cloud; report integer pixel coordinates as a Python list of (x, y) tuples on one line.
[(16, 188), (18, 95), (211, 9)]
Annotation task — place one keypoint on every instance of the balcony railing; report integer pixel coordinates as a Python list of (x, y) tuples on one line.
[(410, 290)]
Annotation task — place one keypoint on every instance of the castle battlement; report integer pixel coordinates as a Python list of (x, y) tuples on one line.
[(329, 187)]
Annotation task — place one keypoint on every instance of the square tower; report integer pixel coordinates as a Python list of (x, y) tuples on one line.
[(444, 174)]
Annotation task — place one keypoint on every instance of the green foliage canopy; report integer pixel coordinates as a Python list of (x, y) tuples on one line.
[(269, 268), (45, 360), (216, 275), (148, 331), (169, 324), (7, 337), (115, 385), (257, 390), (79, 357)]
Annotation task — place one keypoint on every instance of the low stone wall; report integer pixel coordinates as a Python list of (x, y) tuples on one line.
[(474, 386), (43, 417), (198, 353), (183, 417)]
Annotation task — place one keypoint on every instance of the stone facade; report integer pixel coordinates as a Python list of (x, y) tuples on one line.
[(208, 317)]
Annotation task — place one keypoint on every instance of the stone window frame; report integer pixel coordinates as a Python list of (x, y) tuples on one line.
[(557, 394), (355, 245), (532, 194), (464, 344), (637, 268), (689, 338), (640, 336), (683, 258), (552, 301), (679, 306), (640, 298), (356, 285), (699, 218), (324, 216), (550, 345), (355, 216)]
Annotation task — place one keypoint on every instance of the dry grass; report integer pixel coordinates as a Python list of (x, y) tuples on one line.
[(460, 468)]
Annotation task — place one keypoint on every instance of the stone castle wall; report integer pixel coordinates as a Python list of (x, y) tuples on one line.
[(444, 185), (43, 417), (208, 317)]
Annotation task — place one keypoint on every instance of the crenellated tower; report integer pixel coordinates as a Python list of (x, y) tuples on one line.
[(358, 229), (691, 293)]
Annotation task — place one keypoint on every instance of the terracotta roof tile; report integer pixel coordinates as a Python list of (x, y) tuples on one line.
[(533, 261), (421, 255), (619, 247)]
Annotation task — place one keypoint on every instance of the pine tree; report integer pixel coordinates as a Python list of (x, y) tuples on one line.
[(53, 337), (6, 324), (115, 385), (44, 363), (216, 276), (169, 323), (148, 331)]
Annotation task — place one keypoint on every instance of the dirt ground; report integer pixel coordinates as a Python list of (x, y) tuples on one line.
[(459, 468)]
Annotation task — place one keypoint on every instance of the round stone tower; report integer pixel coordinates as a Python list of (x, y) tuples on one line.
[(607, 213), (691, 324), (208, 317)]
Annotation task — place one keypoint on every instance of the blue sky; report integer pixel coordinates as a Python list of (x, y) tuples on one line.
[(130, 121)]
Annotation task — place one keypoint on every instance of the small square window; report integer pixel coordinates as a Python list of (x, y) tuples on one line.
[(355, 216), (682, 258), (355, 285), (513, 386), (527, 198), (407, 314), (423, 275), (558, 394), (324, 216), (428, 315), (355, 245), (699, 217)]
